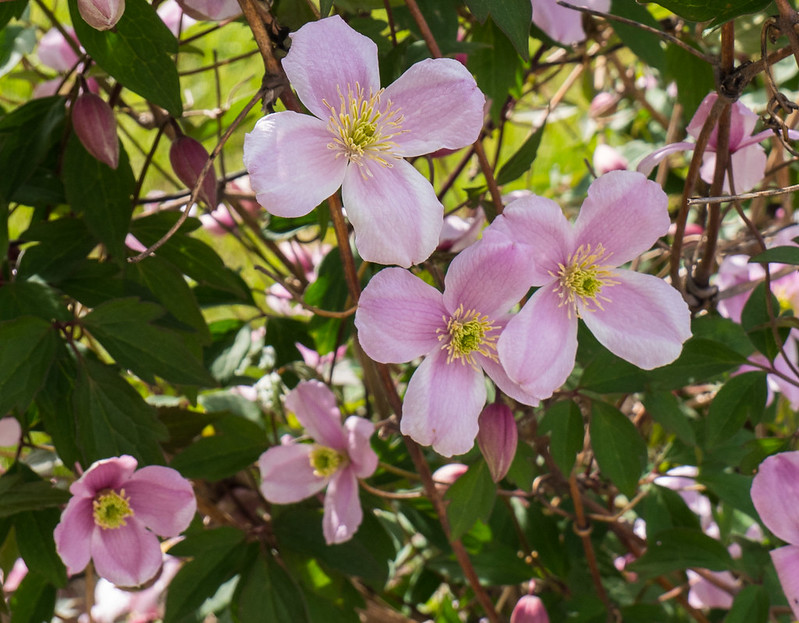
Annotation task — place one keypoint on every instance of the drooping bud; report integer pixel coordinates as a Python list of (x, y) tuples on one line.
[(529, 609), (497, 439), (445, 475), (96, 127), (188, 157), (101, 14)]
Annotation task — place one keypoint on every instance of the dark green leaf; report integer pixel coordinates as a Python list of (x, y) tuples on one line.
[(664, 509), (756, 320), (471, 497), (520, 162), (10, 10), (33, 298), (731, 488), (694, 77), (136, 52), (620, 450), (741, 398), (564, 422), (719, 11), (778, 255), (608, 374), (681, 548), (645, 45), (324, 8), (496, 566), (329, 291), (479, 8), (283, 334), (497, 66), (225, 355), (63, 245), (28, 348), (34, 600), (513, 18), (15, 42), (267, 592), (54, 402), (36, 544), (20, 492), (751, 605), (700, 361), (667, 411), (101, 194)]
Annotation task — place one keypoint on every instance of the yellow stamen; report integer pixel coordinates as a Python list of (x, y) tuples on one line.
[(583, 277), (326, 461), (110, 509), (466, 334)]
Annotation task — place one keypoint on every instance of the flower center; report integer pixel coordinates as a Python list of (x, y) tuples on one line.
[(466, 334), (110, 509), (326, 461), (583, 277), (362, 128)]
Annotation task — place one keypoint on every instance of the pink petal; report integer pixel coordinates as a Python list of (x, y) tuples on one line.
[(441, 105), (73, 534), (786, 562), (359, 448), (625, 212), (497, 373), (106, 474), (489, 278), (705, 594), (645, 322), (562, 24), (773, 493), (700, 116), (343, 513), (538, 223), (790, 391), (742, 124), (10, 431), (656, 157), (327, 56), (395, 212), (127, 556), (442, 404), (287, 475), (291, 169), (162, 499), (735, 270), (398, 317), (539, 344), (748, 168), (315, 407)]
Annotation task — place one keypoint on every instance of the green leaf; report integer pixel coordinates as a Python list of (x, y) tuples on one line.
[(28, 348), (267, 592), (756, 321), (112, 418), (700, 361), (778, 255), (513, 18), (719, 11), (564, 422), (620, 450), (471, 497), (480, 9), (328, 291), (681, 548), (21, 298), (124, 328), (15, 42), (324, 8), (664, 509), (55, 405), (751, 605), (34, 532), (136, 52), (731, 488), (741, 398), (694, 77), (226, 354), (101, 194), (667, 411), (496, 66), (645, 45), (497, 566), (63, 245), (10, 10), (21, 490), (520, 162), (34, 599)]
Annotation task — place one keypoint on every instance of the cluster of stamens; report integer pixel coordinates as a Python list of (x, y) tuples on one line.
[(583, 278), (110, 508), (467, 334), (362, 128), (326, 461)]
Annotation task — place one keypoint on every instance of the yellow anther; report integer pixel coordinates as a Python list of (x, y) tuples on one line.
[(583, 277), (110, 509), (468, 333), (326, 461)]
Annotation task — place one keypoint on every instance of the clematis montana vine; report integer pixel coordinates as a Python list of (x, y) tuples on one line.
[(400, 318), (339, 456), (638, 317), (114, 516), (358, 139)]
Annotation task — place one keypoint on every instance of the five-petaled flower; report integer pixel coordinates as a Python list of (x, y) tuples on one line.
[(400, 318), (359, 137), (339, 456), (115, 513), (638, 317)]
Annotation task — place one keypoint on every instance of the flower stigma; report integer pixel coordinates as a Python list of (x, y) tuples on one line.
[(110, 509), (466, 334), (583, 277), (362, 128), (326, 461)]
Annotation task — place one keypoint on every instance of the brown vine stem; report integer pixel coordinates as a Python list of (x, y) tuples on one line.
[(343, 239), (427, 34), (788, 18)]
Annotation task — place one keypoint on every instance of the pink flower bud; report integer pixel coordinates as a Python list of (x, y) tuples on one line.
[(188, 157), (10, 431), (606, 158), (445, 475), (497, 439), (96, 127), (101, 14), (529, 609)]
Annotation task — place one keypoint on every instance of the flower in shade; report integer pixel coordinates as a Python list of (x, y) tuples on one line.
[(358, 139), (114, 516), (638, 317), (562, 24), (775, 490), (10, 431), (529, 609), (339, 456), (400, 318), (747, 158)]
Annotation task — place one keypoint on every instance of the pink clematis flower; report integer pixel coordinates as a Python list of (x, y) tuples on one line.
[(774, 494), (358, 139), (529, 609), (748, 159), (340, 456), (562, 24), (115, 513), (638, 317), (400, 318)]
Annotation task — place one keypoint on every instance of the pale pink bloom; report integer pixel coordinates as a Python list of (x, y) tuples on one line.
[(10, 431), (562, 24), (638, 317), (211, 10), (114, 516), (458, 233), (607, 158), (400, 318), (748, 159), (134, 244), (101, 14), (339, 456), (171, 13), (55, 52), (219, 221), (497, 438), (529, 609), (705, 594), (358, 137)]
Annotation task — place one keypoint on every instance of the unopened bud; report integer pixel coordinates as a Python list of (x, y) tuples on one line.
[(607, 159), (188, 157), (101, 14), (529, 609), (10, 432), (445, 475), (497, 439), (96, 127)]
